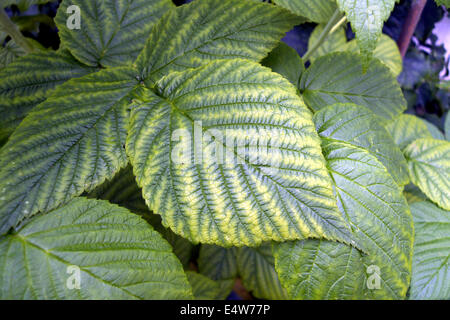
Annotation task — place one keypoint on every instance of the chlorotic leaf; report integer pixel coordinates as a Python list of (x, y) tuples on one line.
[(367, 19), (110, 32), (69, 144), (201, 31), (336, 41), (29, 80), (319, 11), (386, 51), (285, 61), (337, 77), (356, 125), (255, 266), (429, 168), (407, 128), (204, 288), (379, 215), (431, 260), (114, 252), (227, 154)]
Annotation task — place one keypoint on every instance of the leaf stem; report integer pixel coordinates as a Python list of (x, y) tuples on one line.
[(13, 31), (333, 24)]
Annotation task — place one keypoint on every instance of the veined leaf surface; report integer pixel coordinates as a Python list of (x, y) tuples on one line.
[(218, 263), (367, 19), (255, 266), (9, 53), (203, 288), (373, 203), (338, 77), (429, 168), (431, 260), (201, 31), (182, 144), (407, 128), (357, 126), (69, 144), (319, 11), (29, 80), (386, 50), (285, 61), (111, 32), (116, 254)]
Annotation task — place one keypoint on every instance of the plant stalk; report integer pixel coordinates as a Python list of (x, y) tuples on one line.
[(410, 25), (335, 22), (13, 31)]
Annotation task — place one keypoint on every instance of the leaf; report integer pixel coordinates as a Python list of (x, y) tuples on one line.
[(194, 34), (334, 42), (413, 194), (367, 19), (69, 144), (257, 270), (218, 263), (318, 269), (435, 132), (407, 128), (337, 77), (111, 32), (319, 11), (28, 81), (443, 3), (214, 191), (123, 190), (182, 247), (431, 260), (118, 256), (254, 265), (356, 125), (204, 288), (285, 61), (386, 51), (373, 204), (10, 52), (429, 168)]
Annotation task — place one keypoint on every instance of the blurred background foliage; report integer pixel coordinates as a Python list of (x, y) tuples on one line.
[(425, 66)]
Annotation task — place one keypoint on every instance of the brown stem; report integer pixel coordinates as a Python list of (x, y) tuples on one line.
[(410, 25)]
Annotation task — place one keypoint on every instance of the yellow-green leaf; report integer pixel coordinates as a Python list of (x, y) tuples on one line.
[(429, 168), (317, 11), (186, 146), (110, 32), (194, 34), (67, 145)]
